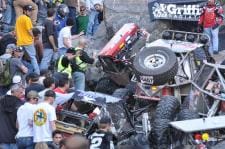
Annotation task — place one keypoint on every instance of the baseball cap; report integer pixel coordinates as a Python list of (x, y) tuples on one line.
[(16, 79), (50, 93), (105, 120), (19, 49), (11, 46), (28, 8), (32, 94)]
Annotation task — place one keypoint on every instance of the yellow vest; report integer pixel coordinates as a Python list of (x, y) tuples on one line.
[(82, 65), (62, 69)]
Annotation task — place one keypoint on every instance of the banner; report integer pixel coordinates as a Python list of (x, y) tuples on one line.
[(176, 10)]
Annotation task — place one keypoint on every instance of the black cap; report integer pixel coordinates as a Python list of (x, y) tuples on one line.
[(71, 50), (50, 93), (105, 120), (28, 8), (19, 49)]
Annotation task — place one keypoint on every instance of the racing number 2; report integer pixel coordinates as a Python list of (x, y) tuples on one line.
[(96, 141)]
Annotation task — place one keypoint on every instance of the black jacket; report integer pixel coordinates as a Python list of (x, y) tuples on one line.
[(8, 109), (84, 57)]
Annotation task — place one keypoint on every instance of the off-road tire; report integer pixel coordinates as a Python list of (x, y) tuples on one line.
[(166, 70), (106, 85), (167, 108), (187, 114), (159, 136)]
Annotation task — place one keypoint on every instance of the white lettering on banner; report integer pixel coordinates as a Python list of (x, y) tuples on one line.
[(174, 11)]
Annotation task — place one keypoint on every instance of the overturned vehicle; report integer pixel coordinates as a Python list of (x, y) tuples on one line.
[(177, 71)]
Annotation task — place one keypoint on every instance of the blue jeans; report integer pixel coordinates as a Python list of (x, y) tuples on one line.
[(25, 143), (93, 23), (214, 39), (79, 80), (62, 51), (46, 59), (8, 146), (32, 54), (7, 17)]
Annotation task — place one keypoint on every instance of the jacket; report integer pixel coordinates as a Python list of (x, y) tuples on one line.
[(211, 16), (8, 111)]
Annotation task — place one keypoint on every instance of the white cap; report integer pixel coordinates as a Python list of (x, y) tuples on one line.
[(16, 79)]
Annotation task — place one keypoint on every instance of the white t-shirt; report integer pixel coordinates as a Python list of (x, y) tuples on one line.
[(24, 118), (59, 99), (65, 32), (42, 116)]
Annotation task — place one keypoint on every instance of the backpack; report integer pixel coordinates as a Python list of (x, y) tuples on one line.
[(5, 77)]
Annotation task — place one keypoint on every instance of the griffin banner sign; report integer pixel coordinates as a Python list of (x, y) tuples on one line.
[(175, 11)]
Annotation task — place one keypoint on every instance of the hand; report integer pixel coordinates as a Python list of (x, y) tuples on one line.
[(55, 49), (81, 33), (199, 29), (78, 53)]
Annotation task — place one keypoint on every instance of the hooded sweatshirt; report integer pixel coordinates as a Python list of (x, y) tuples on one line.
[(8, 109)]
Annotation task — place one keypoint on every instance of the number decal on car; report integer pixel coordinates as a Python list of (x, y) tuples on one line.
[(147, 79)]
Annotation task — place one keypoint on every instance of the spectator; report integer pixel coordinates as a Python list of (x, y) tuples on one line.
[(38, 44), (16, 65), (33, 83), (24, 137), (8, 109), (8, 52), (44, 74), (63, 87), (49, 40), (103, 135), (93, 22), (57, 137), (77, 141), (38, 49), (19, 8), (44, 119), (24, 35), (81, 63), (72, 5), (82, 20), (5, 40), (65, 38), (60, 18), (7, 9), (210, 19), (99, 8), (49, 84), (15, 80), (65, 62)]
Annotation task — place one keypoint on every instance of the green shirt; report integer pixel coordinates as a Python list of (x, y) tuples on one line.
[(82, 23)]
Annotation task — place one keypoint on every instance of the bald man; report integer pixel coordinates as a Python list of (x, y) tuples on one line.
[(77, 141)]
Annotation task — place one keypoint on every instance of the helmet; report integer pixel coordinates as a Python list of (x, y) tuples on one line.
[(63, 10)]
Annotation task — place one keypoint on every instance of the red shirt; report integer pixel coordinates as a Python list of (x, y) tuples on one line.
[(58, 90)]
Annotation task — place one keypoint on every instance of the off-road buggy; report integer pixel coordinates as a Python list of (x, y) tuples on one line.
[(92, 106), (156, 67)]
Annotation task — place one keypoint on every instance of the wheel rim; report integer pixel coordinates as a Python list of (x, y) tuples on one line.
[(154, 61)]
